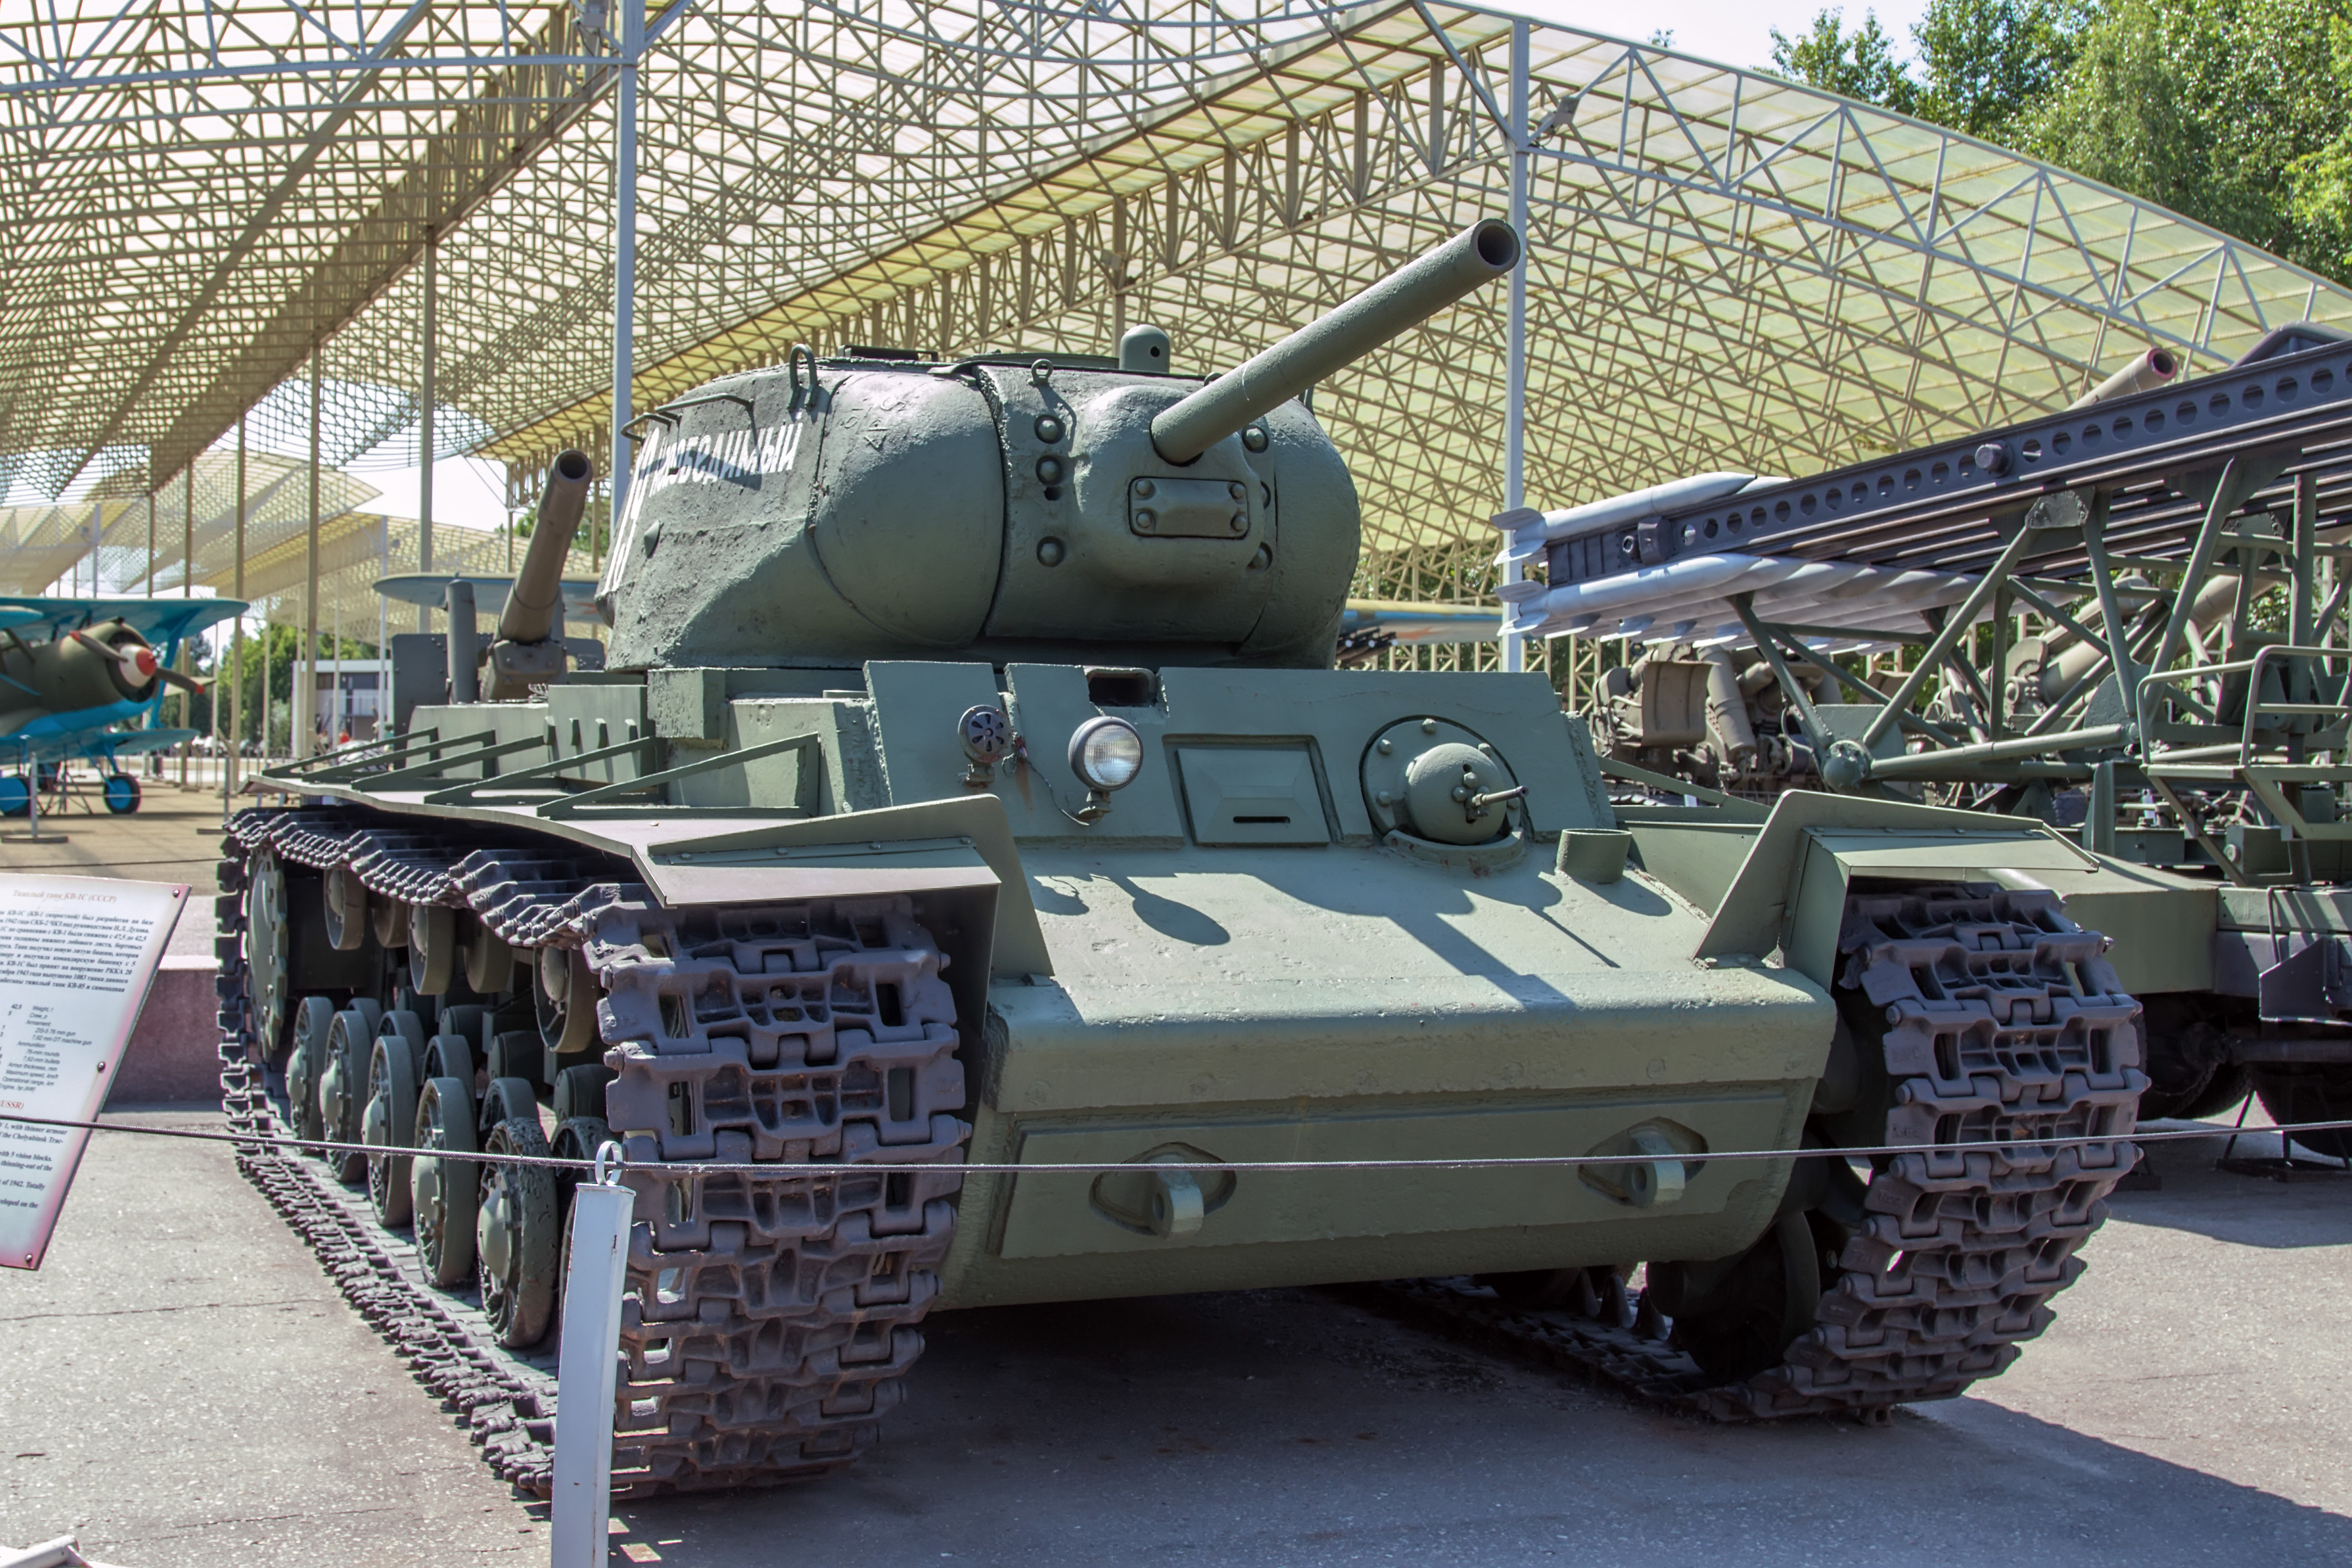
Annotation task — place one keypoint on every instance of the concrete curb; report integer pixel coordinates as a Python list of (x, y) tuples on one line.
[(175, 1052)]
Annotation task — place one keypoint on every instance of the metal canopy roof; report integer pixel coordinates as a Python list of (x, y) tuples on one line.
[(1727, 271)]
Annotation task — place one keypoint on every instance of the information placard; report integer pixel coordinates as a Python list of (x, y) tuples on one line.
[(76, 955)]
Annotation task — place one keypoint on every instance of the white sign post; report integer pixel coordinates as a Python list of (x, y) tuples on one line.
[(587, 1370), (76, 955)]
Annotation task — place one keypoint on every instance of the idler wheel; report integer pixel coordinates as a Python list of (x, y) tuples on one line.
[(443, 1193), (306, 1064), (389, 1121), (516, 1236)]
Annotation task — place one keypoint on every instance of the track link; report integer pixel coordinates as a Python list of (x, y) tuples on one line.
[(2002, 1021), (768, 1322)]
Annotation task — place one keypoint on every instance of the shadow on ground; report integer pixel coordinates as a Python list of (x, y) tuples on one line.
[(1286, 1428)]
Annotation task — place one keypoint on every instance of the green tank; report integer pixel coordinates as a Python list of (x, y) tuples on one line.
[(970, 792)]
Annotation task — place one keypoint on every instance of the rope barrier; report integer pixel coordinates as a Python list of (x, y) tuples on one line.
[(783, 1171)]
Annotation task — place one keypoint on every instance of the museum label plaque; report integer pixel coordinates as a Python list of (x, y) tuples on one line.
[(76, 955)]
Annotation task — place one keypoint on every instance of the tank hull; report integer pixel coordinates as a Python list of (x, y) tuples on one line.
[(1359, 1005), (794, 927)]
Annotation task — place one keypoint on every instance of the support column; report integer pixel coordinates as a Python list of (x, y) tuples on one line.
[(151, 544), (1515, 359), (425, 449), (187, 590), (236, 649), (301, 704), (625, 252)]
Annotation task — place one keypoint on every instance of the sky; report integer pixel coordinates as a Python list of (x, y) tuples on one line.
[(466, 491), (472, 493)]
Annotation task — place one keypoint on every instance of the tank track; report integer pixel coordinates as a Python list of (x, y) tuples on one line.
[(2003, 1021), (768, 1322)]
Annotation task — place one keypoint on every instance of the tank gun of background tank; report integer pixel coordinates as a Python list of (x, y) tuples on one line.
[(529, 649)]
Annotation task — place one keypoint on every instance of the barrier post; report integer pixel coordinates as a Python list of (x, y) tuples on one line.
[(587, 1363)]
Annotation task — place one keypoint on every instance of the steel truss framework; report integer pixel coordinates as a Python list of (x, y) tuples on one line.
[(202, 197), (141, 544)]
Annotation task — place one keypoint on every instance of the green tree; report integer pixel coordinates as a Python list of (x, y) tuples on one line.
[(269, 682), (1858, 64), (2224, 110), (2319, 203), (1984, 65)]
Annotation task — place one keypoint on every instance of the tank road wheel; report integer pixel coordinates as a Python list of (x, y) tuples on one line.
[(306, 1064), (268, 965), (390, 1120), (1739, 1317), (1919, 1273), (342, 1087), (576, 1138), (443, 1194), (1597, 1293), (2319, 1091), (515, 1236)]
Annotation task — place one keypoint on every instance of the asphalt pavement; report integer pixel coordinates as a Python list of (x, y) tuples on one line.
[(186, 1388)]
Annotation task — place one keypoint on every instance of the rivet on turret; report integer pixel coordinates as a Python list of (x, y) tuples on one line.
[(1049, 553), (1241, 523), (1049, 469), (1237, 492), (1385, 746), (1384, 799), (1146, 488), (1049, 429), (1146, 521), (1254, 437), (1429, 727)]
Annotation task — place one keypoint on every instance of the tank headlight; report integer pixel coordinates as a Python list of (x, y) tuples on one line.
[(1106, 754)]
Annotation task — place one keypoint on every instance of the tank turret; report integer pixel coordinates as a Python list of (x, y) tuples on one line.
[(1010, 506)]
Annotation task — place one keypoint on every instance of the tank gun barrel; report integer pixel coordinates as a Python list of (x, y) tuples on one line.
[(1405, 298), (538, 591)]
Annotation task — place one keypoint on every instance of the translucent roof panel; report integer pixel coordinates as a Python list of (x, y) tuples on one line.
[(1727, 271)]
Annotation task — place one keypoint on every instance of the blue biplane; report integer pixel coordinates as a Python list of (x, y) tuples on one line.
[(81, 681)]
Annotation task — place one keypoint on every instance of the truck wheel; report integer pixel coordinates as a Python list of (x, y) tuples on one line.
[(2317, 1093)]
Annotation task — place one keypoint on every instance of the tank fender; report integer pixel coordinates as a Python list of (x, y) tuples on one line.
[(955, 858), (1789, 893)]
